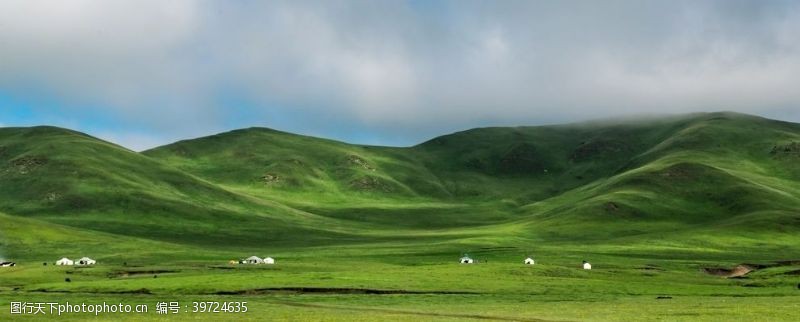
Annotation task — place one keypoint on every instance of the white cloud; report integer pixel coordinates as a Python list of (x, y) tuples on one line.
[(400, 66)]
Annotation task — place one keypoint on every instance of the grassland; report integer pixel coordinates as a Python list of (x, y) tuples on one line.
[(373, 233)]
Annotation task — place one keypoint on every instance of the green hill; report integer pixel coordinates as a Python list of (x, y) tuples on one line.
[(269, 160), (664, 208), (630, 177), (600, 180), (70, 178)]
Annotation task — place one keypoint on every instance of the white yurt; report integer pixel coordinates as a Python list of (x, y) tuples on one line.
[(586, 265), (86, 261), (269, 260), (65, 262), (253, 260), (529, 261), (465, 260)]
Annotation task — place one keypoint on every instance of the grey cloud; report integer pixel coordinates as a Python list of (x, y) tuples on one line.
[(404, 68)]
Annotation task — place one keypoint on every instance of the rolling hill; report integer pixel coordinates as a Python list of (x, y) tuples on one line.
[(662, 178), (69, 178), (665, 208)]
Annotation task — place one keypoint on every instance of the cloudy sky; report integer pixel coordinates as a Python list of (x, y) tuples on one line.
[(143, 73)]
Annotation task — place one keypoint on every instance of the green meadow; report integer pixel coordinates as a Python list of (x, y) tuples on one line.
[(683, 218)]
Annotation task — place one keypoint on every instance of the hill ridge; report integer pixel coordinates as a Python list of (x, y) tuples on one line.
[(633, 177)]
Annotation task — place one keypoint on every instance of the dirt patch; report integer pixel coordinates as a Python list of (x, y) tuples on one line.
[(790, 149), (738, 271), (25, 165), (741, 270), (717, 271), (650, 267), (271, 178), (358, 161), (326, 290)]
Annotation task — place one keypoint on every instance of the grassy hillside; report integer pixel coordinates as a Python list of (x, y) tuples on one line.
[(660, 206), (257, 185), (696, 168), (272, 161), (69, 178)]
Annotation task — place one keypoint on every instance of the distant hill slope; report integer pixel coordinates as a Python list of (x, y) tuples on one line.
[(70, 178), (273, 160), (705, 165), (667, 177), (523, 163)]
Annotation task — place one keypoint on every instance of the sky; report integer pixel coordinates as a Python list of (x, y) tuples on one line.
[(143, 73)]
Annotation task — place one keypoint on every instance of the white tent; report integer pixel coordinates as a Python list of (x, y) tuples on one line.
[(465, 260), (586, 265), (65, 262), (86, 261), (254, 260), (529, 261), (269, 260)]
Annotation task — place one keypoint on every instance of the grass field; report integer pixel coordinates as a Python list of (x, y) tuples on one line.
[(662, 208)]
